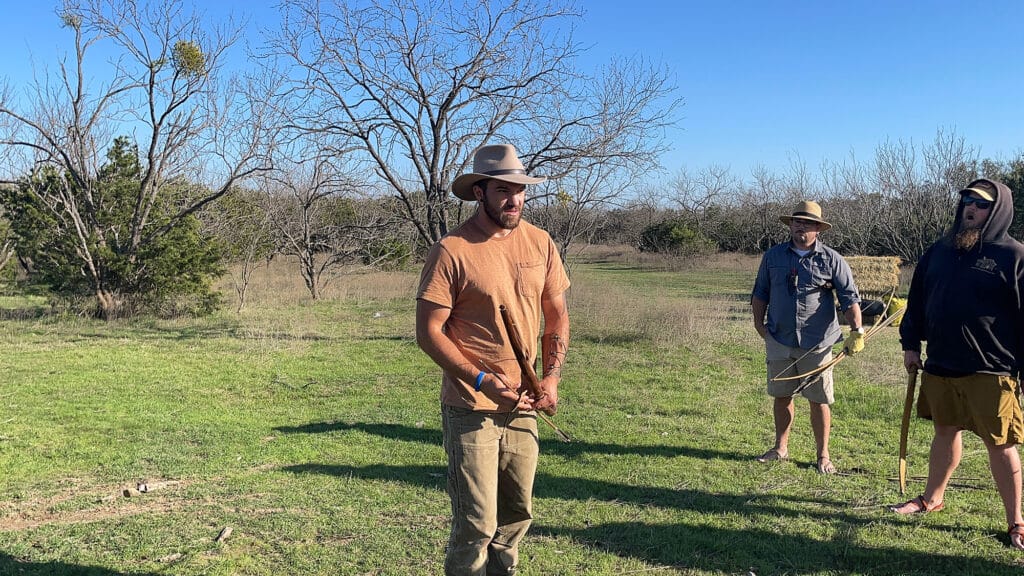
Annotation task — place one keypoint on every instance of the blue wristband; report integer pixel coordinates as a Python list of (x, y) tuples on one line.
[(479, 381)]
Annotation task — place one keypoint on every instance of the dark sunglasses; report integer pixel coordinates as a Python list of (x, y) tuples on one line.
[(979, 202)]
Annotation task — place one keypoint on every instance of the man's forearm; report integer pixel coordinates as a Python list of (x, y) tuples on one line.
[(446, 354), (759, 309), (853, 316), (554, 346), (554, 342)]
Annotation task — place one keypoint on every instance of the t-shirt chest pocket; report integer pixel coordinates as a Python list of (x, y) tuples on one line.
[(530, 279)]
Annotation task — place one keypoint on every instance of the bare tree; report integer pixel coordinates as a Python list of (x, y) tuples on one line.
[(852, 206), (297, 201), (920, 197), (701, 196), (574, 217), (421, 84), (599, 139), (761, 204), (798, 183), (164, 84), (626, 224), (949, 162), (242, 225), (312, 206)]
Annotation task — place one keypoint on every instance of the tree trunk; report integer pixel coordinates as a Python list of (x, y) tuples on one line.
[(309, 275), (109, 304)]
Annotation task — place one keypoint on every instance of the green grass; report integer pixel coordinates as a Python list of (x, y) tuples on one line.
[(313, 431)]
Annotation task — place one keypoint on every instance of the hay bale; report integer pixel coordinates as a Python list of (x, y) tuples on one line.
[(875, 275)]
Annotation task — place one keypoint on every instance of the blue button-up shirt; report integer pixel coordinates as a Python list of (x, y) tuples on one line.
[(801, 308)]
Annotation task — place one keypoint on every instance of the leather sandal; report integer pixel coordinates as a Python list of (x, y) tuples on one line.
[(771, 455), (920, 506)]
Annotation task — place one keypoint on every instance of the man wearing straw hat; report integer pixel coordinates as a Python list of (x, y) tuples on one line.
[(967, 301), (493, 259), (794, 290)]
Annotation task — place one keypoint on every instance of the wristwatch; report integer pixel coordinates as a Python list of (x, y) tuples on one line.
[(858, 330)]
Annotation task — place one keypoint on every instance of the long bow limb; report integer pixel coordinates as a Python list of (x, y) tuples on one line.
[(908, 404), (791, 364), (804, 355), (867, 335)]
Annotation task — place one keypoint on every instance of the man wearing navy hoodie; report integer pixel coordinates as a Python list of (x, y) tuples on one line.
[(967, 301)]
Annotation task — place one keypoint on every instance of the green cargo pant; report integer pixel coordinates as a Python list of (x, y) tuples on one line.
[(492, 460)]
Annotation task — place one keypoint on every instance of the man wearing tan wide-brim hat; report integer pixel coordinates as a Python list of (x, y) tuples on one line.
[(806, 210), (494, 259), (794, 292), (497, 161)]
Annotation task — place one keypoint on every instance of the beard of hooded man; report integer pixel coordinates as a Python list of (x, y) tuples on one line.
[(966, 238), (970, 229)]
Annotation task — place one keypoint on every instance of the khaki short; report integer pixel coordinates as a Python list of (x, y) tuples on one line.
[(986, 404), (779, 356)]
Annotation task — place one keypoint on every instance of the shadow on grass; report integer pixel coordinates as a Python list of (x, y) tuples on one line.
[(548, 446), (226, 329), (12, 565), (29, 313), (392, 431), (712, 548), (556, 487), (708, 548), (96, 330)]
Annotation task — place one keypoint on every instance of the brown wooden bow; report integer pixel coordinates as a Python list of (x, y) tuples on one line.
[(529, 375), (804, 355), (839, 357), (908, 405)]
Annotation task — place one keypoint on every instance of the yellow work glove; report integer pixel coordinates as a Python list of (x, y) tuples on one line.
[(854, 343), (895, 307)]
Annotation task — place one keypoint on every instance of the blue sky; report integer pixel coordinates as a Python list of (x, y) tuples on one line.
[(767, 81)]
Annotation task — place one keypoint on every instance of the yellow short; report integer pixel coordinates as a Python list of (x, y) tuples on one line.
[(986, 404)]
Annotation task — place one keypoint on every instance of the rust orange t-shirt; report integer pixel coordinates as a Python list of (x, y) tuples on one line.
[(474, 274)]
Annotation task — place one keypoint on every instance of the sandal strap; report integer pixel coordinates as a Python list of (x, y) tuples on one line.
[(923, 504)]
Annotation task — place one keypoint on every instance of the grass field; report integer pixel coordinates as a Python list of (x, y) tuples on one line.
[(312, 430)]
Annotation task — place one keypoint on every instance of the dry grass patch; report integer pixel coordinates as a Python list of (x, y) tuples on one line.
[(631, 257), (279, 283), (611, 313)]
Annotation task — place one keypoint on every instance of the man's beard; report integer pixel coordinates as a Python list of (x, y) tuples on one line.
[(506, 221), (966, 239), (802, 238)]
